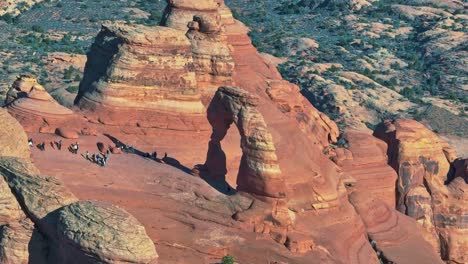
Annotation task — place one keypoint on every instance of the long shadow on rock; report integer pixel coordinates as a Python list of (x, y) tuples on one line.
[(131, 150), (220, 184)]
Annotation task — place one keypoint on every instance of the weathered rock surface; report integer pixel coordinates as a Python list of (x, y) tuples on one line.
[(21, 243), (259, 77), (35, 109), (32, 205), (291, 200), (13, 140), (179, 13), (395, 236), (364, 162), (112, 235), (259, 171), (424, 190), (141, 76), (214, 65), (10, 210)]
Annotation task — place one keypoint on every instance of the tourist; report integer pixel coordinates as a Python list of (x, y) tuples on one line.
[(87, 155), (155, 155), (30, 142), (93, 158), (59, 144)]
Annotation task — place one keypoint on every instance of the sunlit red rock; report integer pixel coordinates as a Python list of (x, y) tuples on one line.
[(426, 189), (142, 76), (35, 109)]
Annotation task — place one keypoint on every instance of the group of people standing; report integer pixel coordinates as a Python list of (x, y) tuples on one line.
[(100, 159), (41, 146)]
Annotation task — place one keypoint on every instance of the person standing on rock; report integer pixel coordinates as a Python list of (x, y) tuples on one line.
[(30, 142), (87, 155), (59, 144)]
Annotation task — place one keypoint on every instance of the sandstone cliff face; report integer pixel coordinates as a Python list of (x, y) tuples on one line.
[(34, 218), (35, 109), (142, 76), (364, 160), (213, 62), (425, 191)]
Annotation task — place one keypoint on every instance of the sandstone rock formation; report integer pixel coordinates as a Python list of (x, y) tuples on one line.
[(425, 191), (289, 200), (141, 76), (364, 160), (179, 13), (212, 58), (113, 235), (33, 214), (14, 140), (252, 72), (396, 237), (35, 109), (259, 171)]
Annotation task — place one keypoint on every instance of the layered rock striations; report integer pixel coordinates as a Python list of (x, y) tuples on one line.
[(251, 71), (259, 171), (427, 189), (35, 218), (287, 201), (142, 76), (35, 109), (214, 65), (363, 160)]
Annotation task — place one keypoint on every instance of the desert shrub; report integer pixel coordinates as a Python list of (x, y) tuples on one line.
[(228, 259)]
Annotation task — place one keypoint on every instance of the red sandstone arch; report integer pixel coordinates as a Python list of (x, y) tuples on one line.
[(259, 171)]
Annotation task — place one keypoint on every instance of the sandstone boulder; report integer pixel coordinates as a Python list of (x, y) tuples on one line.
[(21, 243), (96, 232), (13, 140), (67, 133), (10, 210)]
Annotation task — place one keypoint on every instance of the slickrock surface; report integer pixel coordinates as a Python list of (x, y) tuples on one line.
[(141, 76), (364, 159), (112, 235), (30, 206), (424, 189), (214, 65), (35, 109), (394, 235)]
